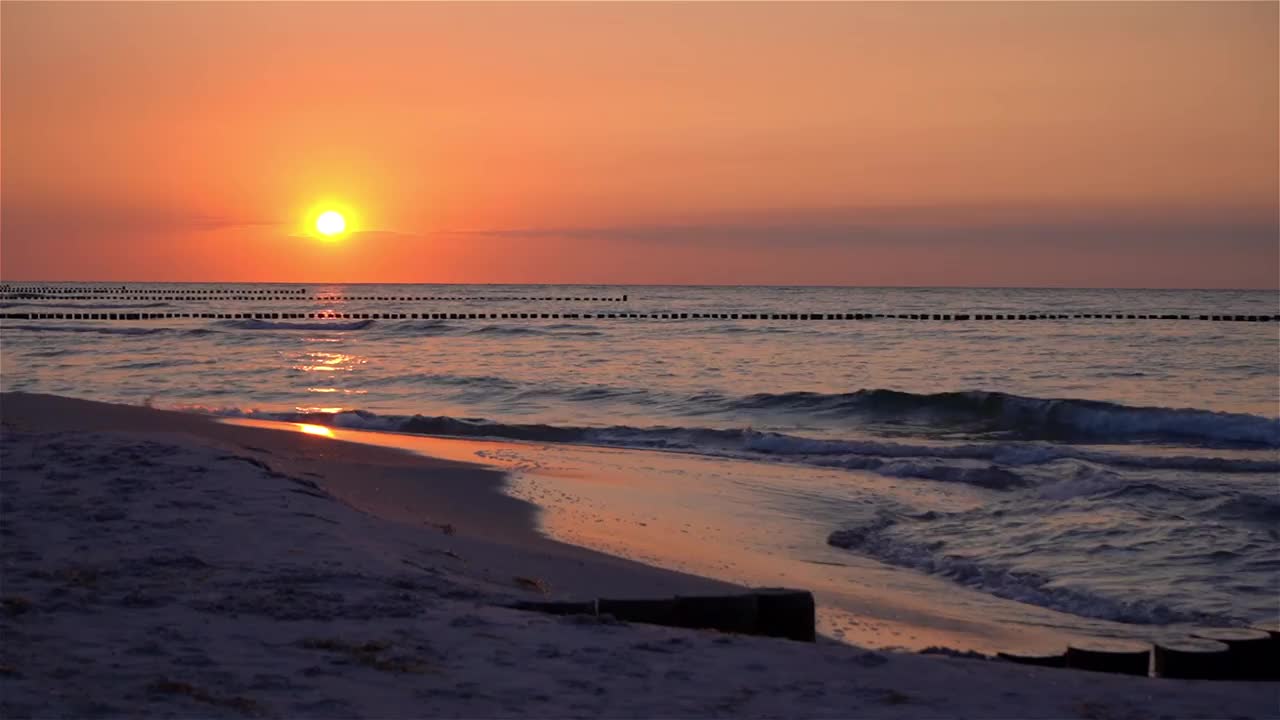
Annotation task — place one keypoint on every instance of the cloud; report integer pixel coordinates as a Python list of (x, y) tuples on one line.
[(77, 219), (371, 235), (1022, 228)]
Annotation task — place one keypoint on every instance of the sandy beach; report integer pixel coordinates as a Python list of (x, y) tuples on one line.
[(165, 564)]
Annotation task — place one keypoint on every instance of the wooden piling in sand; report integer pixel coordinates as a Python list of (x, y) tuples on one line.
[(726, 613), (774, 612), (1056, 659), (587, 607), (1272, 629), (1124, 657), (1189, 659), (651, 611), (1249, 652), (786, 613)]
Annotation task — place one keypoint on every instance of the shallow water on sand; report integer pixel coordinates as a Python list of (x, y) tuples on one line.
[(1068, 474)]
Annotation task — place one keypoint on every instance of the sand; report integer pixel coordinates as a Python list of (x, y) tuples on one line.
[(164, 564)]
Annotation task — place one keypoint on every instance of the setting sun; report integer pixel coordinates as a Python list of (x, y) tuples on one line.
[(330, 218), (330, 223)]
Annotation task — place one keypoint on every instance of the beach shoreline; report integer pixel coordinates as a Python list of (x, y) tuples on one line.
[(167, 563), (689, 514)]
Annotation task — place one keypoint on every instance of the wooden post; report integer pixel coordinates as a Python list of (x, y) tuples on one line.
[(558, 608), (1048, 659), (1189, 659), (653, 612), (1112, 656), (786, 613), (726, 613), (1247, 654)]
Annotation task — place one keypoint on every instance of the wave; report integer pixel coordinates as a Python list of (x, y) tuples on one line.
[(402, 328), (998, 466), (523, 330), (431, 327), (992, 415), (156, 364), (419, 328), (107, 330), (1027, 417), (1007, 454), (1022, 586), (486, 382), (251, 324), (1247, 507), (86, 306), (709, 441), (1025, 430)]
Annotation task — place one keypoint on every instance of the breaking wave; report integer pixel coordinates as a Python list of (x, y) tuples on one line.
[(1013, 430), (251, 324), (995, 466), (1030, 417), (992, 578)]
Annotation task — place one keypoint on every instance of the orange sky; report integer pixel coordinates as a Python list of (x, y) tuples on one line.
[(900, 143)]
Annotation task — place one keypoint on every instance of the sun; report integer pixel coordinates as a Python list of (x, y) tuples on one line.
[(330, 223), (330, 219)]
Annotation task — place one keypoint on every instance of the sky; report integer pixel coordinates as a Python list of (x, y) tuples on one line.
[(1077, 144)]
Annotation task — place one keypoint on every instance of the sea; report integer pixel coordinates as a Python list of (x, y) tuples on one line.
[(1100, 476)]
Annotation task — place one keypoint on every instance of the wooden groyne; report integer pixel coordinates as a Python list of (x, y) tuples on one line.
[(106, 314), (1204, 654), (301, 294), (772, 612)]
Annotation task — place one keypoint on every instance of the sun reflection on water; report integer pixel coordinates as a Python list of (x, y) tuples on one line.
[(328, 362), (315, 430)]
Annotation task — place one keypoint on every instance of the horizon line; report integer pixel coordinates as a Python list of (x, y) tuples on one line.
[(605, 284)]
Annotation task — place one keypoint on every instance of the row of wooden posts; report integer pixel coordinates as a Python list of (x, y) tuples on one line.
[(63, 291), (948, 317), (1207, 654), (124, 292), (267, 295)]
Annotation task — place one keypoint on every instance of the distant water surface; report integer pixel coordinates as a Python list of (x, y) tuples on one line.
[(1123, 470)]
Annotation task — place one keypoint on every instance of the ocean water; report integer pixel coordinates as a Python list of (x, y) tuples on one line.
[(1117, 470)]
